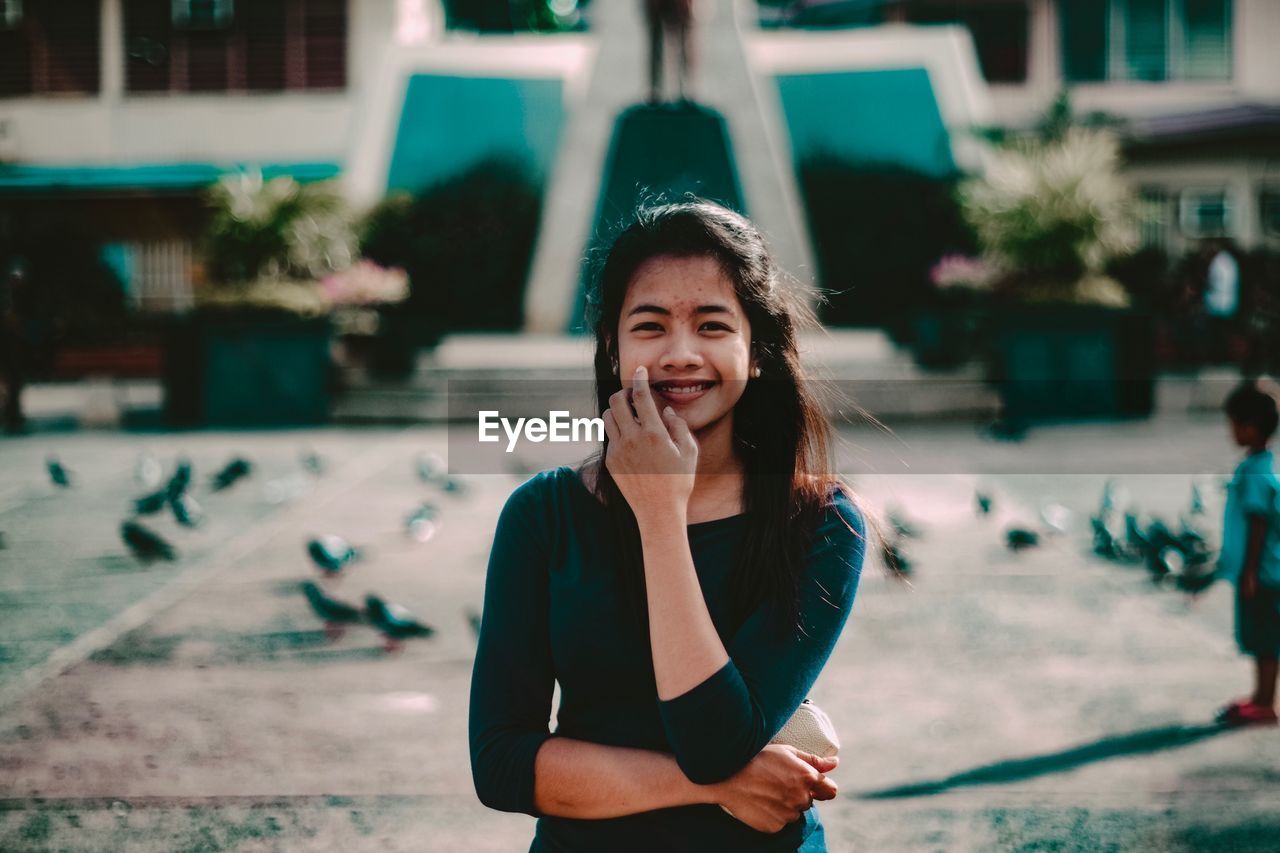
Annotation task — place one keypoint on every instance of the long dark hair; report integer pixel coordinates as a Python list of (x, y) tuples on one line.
[(780, 431)]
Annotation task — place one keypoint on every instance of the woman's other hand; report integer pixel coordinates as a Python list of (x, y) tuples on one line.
[(776, 787), (646, 444)]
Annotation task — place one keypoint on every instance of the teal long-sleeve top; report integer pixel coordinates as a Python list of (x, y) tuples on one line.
[(555, 610)]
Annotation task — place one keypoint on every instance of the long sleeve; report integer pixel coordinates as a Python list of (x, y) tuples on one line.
[(513, 677), (716, 728)]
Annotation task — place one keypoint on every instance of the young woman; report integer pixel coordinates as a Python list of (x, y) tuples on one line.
[(687, 584)]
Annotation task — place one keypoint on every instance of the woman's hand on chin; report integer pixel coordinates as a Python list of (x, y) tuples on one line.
[(652, 456)]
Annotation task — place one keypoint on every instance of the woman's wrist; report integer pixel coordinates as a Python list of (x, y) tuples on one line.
[(662, 520)]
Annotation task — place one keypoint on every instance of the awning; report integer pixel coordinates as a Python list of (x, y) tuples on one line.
[(167, 177)]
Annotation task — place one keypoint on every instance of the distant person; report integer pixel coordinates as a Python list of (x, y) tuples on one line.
[(1251, 547), (1221, 298), (12, 339), (669, 19), (686, 584)]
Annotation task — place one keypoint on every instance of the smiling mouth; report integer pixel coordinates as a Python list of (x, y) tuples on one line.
[(685, 393)]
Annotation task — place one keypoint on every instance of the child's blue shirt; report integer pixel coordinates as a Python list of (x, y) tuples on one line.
[(1254, 490)]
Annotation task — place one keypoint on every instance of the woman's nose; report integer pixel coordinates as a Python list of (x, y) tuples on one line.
[(682, 351)]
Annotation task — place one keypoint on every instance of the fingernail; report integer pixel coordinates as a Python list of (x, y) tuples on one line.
[(668, 411), (641, 373)]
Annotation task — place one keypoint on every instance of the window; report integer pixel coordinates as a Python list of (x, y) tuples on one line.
[(1269, 210), (266, 45), (1154, 207), (10, 14), (1205, 213), (202, 14), (999, 32), (49, 47), (1145, 40)]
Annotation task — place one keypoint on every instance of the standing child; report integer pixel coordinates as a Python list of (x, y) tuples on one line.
[(1251, 548)]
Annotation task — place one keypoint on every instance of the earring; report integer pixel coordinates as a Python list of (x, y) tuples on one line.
[(755, 374), (615, 368)]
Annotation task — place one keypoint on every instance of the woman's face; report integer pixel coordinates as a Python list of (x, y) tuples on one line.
[(682, 320)]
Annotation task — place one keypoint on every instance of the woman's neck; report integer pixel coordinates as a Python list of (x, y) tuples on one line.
[(718, 482)]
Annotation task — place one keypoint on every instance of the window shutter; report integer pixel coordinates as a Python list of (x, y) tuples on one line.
[(1206, 25), (1146, 39), (148, 39), (325, 37), (264, 23), (1084, 40)]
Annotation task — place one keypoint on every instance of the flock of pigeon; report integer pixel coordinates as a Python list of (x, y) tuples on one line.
[(330, 554), (1182, 557)]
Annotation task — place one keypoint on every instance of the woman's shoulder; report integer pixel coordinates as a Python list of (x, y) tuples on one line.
[(842, 508), (550, 490)]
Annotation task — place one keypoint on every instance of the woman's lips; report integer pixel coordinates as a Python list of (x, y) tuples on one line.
[(678, 397)]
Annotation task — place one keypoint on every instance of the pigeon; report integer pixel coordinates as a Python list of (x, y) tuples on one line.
[(311, 462), (430, 466), (1108, 501), (331, 554), (150, 504), (1195, 582), (1197, 500), (230, 473), (453, 485), (148, 471), (395, 623), (421, 523), (180, 480), (145, 544), (1056, 517), (60, 476), (335, 614), (983, 502), (186, 511), (473, 619), (895, 562), (1135, 537), (1017, 538), (902, 526)]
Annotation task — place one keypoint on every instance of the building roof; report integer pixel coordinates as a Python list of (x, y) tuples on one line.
[(1230, 124)]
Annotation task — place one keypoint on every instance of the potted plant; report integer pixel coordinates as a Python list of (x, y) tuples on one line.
[(946, 329), (256, 349), (1051, 212)]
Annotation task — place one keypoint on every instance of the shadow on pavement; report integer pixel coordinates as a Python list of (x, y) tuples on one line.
[(1019, 769)]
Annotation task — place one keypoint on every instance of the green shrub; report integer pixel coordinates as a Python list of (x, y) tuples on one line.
[(877, 231), (466, 243)]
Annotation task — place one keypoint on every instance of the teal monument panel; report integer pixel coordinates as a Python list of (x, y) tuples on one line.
[(658, 153), (449, 122), (885, 117)]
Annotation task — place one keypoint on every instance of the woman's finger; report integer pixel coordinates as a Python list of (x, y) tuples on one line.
[(679, 429), (642, 397), (610, 425), (625, 421)]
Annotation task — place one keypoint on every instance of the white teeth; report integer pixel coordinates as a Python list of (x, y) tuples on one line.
[(691, 389)]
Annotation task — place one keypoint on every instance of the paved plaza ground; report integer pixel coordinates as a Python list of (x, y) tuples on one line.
[(1042, 700)]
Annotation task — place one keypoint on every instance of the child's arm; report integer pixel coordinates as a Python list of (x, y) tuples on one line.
[(1253, 555)]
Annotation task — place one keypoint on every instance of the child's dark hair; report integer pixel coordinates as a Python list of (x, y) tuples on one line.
[(1255, 404)]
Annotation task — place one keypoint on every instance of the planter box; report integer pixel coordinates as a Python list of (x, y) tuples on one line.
[(248, 372), (1071, 361), (944, 337)]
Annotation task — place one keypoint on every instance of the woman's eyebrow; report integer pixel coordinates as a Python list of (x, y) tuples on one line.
[(701, 309)]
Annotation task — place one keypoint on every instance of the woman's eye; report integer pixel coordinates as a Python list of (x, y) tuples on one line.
[(719, 327), (644, 327)]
